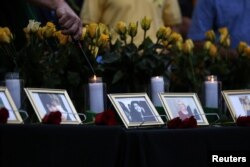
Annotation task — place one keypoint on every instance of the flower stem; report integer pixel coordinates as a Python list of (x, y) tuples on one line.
[(144, 35), (132, 40)]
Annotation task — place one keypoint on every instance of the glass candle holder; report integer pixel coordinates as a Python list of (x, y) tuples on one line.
[(212, 89), (96, 95), (157, 86)]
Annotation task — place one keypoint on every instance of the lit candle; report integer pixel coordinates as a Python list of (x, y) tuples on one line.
[(157, 86), (211, 87), (96, 95)]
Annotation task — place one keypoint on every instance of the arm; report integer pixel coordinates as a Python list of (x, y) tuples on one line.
[(68, 19)]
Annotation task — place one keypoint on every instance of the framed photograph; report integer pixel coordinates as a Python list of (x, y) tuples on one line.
[(46, 100), (238, 102), (7, 102), (135, 109), (183, 105)]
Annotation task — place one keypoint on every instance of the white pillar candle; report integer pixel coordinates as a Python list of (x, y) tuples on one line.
[(96, 95), (14, 85), (211, 87), (157, 86)]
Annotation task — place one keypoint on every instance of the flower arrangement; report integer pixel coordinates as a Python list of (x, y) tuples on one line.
[(212, 57), (46, 58), (134, 64), (51, 59)]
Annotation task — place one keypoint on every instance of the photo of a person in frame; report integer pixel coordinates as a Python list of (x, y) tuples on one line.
[(184, 111), (52, 102), (126, 111), (140, 112), (245, 103)]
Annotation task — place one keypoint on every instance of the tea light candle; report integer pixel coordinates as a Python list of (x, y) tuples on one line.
[(157, 86), (96, 98), (211, 87)]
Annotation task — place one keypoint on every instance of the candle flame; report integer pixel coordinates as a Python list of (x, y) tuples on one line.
[(212, 78), (94, 77)]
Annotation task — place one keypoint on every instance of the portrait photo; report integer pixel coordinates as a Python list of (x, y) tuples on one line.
[(183, 105), (7, 102), (50, 100), (238, 102), (135, 109)]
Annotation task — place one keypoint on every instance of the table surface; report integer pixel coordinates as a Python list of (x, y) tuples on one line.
[(39, 145)]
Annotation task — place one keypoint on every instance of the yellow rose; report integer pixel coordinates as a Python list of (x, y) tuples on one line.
[(32, 27), (213, 50), (223, 31), (247, 52), (145, 23), (7, 30), (175, 37), (121, 28), (210, 35), (163, 33), (165, 43), (103, 40), (179, 45), (225, 40), (5, 35), (241, 47), (63, 39), (49, 30), (132, 29), (92, 30), (27, 35), (103, 29), (207, 45), (84, 32), (188, 46), (40, 32)]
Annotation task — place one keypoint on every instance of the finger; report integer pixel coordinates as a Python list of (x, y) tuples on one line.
[(71, 30), (68, 24), (63, 19), (78, 34), (74, 29)]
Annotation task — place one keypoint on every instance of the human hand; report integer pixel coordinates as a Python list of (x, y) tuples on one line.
[(69, 20)]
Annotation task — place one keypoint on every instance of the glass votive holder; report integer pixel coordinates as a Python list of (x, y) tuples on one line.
[(212, 92), (95, 95)]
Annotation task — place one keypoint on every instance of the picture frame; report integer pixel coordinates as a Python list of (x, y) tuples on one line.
[(47, 100), (136, 110), (183, 105), (7, 102), (237, 102)]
